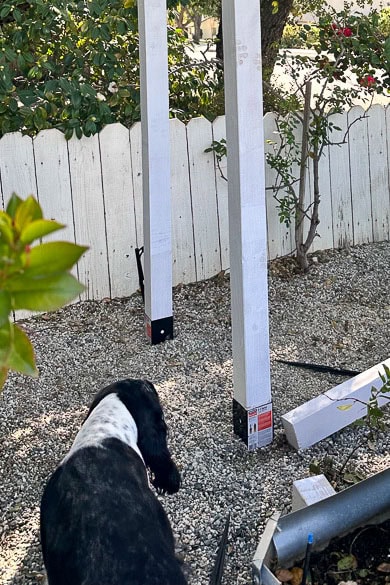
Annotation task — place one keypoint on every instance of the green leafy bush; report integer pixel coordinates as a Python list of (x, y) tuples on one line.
[(384, 22), (31, 277), (295, 36), (74, 65)]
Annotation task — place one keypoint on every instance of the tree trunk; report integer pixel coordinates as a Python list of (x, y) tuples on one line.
[(219, 38), (272, 26), (197, 28)]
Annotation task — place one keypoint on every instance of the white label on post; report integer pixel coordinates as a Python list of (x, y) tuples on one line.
[(260, 427)]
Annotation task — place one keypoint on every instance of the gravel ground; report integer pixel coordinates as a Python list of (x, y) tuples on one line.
[(338, 314)]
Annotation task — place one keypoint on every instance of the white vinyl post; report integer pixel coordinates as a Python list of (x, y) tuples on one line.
[(252, 407), (152, 18)]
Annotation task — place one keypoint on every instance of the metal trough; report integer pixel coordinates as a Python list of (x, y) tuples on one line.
[(367, 502)]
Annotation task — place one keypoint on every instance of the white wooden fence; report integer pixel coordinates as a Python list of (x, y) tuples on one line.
[(94, 186)]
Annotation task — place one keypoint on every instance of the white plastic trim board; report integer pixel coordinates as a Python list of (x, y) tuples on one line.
[(320, 417)]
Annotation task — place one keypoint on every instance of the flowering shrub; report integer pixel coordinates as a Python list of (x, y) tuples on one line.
[(350, 47), (355, 43), (367, 81)]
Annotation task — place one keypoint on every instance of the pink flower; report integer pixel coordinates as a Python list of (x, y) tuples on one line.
[(342, 32), (367, 81)]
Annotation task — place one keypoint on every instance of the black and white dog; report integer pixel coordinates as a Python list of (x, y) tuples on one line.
[(101, 524)]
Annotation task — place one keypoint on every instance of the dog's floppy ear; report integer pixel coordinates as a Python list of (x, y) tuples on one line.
[(166, 477), (152, 441)]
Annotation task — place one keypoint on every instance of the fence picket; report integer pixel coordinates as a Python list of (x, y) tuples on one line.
[(17, 166), (308, 197), (324, 239), (119, 205), (379, 174), (360, 175), (219, 133), (387, 114), (204, 204), (53, 179), (183, 250), (279, 236), (90, 229), (340, 183), (136, 165)]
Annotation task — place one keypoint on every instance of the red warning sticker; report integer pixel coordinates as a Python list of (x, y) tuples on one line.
[(260, 426), (264, 421)]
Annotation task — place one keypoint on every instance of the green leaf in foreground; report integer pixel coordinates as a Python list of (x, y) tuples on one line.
[(43, 294), (28, 211), (21, 357), (3, 376), (52, 257), (6, 233), (16, 352), (39, 228), (5, 344), (35, 278), (13, 204), (5, 307)]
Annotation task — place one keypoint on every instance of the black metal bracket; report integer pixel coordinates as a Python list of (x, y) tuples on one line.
[(159, 330), (138, 254)]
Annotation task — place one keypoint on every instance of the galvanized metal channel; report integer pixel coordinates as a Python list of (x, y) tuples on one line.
[(367, 502)]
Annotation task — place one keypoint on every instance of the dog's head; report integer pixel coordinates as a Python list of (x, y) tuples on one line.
[(141, 400)]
